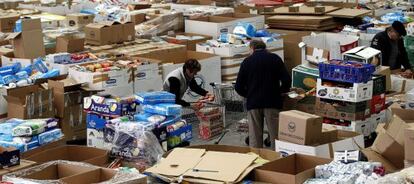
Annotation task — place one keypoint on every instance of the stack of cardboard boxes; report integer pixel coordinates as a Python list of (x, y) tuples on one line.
[(300, 132), (347, 105)]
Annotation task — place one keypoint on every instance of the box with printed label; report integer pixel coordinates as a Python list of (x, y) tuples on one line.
[(95, 131), (377, 103), (356, 92), (299, 127), (101, 80), (365, 127), (304, 77), (364, 54), (342, 110), (9, 157), (344, 141), (112, 108), (180, 135)]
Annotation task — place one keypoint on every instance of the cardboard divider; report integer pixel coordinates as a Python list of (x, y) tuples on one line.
[(72, 153)]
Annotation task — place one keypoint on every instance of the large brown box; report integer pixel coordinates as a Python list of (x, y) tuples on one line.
[(79, 19), (98, 34), (299, 127), (293, 169), (70, 44), (8, 22)]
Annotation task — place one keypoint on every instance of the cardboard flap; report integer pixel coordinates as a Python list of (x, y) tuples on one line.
[(98, 26), (110, 23), (178, 162), (230, 168), (64, 85), (12, 36)]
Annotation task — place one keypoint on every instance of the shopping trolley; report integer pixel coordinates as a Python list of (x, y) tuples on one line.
[(226, 95)]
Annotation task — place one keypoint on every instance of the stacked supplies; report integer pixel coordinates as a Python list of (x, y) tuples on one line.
[(16, 75), (211, 121), (159, 110), (29, 134), (345, 92), (101, 111)]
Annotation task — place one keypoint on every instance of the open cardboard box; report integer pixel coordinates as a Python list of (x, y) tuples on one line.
[(85, 154), (190, 43), (330, 142), (294, 169), (72, 172), (211, 25)]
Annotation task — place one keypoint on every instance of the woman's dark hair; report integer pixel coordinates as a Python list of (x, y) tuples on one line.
[(193, 65), (257, 44)]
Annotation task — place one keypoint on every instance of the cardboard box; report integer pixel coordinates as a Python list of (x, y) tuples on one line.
[(45, 147), (408, 142), (304, 77), (28, 44), (293, 169), (95, 132), (79, 19), (343, 110), (85, 154), (344, 141), (30, 102), (299, 127), (390, 149), (128, 31), (28, 24), (101, 80), (365, 127), (72, 172), (377, 103), (385, 70), (191, 43), (357, 93), (99, 34), (137, 18), (70, 44), (364, 54), (335, 43), (23, 164), (211, 25), (9, 157), (375, 157), (7, 22)]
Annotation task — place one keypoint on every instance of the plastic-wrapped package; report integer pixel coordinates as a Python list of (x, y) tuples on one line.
[(244, 29), (155, 97), (7, 127), (152, 118), (19, 146), (116, 177), (50, 136), (164, 109), (29, 128), (134, 142)]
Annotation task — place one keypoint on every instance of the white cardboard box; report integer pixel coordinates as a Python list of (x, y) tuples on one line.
[(101, 80), (365, 127), (335, 43), (358, 93), (353, 141), (364, 54), (379, 118), (237, 50), (64, 68), (10, 61)]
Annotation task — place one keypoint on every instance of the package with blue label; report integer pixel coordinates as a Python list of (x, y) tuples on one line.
[(155, 97), (164, 109), (114, 107)]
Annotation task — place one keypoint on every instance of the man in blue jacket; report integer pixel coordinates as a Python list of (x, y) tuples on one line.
[(262, 80)]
